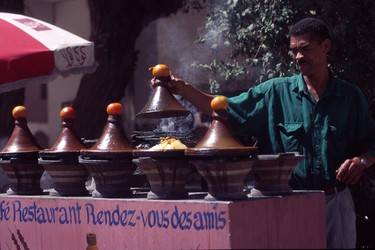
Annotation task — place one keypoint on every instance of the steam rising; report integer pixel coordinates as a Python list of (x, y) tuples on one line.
[(178, 46), (180, 124)]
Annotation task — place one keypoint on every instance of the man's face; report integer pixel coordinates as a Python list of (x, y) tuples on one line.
[(309, 55)]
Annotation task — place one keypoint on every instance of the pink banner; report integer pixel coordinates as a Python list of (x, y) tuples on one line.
[(38, 222)]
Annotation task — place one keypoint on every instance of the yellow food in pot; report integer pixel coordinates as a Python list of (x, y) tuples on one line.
[(169, 143)]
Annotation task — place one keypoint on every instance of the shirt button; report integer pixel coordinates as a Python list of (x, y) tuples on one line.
[(315, 171)]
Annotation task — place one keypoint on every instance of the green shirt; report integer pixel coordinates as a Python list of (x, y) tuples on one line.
[(284, 117)]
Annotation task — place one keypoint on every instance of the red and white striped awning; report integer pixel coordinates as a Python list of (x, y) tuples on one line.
[(34, 51)]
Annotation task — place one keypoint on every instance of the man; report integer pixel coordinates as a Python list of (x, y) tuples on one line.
[(314, 113)]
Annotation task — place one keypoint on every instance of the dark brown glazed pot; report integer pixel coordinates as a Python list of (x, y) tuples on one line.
[(61, 160), (167, 172), (225, 177), (219, 141), (272, 173), (19, 158), (109, 160), (112, 176), (162, 103), (222, 160)]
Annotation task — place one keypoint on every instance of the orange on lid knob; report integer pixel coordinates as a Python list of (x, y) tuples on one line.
[(114, 108), (160, 70), (19, 112), (219, 102), (67, 113)]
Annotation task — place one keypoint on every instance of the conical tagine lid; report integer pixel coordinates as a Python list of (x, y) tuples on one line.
[(219, 139), (113, 140), (162, 103), (68, 139), (21, 139)]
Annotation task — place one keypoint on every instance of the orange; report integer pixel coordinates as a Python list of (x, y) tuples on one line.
[(219, 102), (160, 70), (19, 111), (67, 113), (114, 108)]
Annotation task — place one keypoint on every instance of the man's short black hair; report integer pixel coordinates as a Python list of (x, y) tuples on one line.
[(310, 25)]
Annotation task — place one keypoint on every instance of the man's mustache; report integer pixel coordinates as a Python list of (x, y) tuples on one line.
[(300, 62)]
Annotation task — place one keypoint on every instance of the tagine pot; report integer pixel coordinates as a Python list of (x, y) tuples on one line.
[(109, 160), (221, 159), (272, 173), (167, 172), (162, 103), (61, 160), (19, 158)]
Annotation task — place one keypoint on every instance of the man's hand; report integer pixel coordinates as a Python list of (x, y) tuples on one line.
[(175, 85), (350, 171), (198, 98)]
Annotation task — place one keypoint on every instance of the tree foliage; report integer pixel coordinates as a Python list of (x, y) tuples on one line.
[(253, 36), (250, 34)]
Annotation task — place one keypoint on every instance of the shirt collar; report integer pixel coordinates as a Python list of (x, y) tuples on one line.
[(332, 89), (301, 86)]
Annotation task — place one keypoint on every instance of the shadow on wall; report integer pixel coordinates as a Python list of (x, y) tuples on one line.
[(42, 139), (3, 177), (3, 181)]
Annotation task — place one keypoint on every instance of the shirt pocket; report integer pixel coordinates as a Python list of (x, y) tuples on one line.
[(290, 135), (337, 140)]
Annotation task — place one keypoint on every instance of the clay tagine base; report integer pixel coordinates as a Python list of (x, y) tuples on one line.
[(23, 178), (167, 177), (225, 177), (272, 173), (69, 179), (112, 177)]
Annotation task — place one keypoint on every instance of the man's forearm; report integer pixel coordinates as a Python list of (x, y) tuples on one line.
[(198, 98)]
